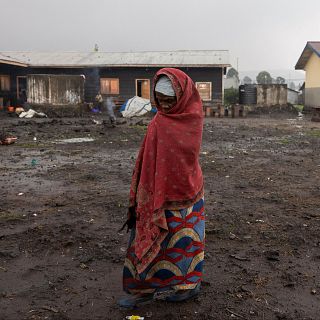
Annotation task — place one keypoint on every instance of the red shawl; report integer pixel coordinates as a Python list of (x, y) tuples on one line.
[(167, 173)]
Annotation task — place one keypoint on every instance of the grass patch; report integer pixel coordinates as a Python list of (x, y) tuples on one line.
[(284, 141), (30, 145), (313, 133), (298, 107), (9, 216), (138, 127)]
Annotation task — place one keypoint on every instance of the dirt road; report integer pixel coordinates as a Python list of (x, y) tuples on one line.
[(62, 203)]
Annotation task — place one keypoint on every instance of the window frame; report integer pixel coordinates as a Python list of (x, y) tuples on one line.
[(210, 92), (136, 82), (110, 79), (9, 82)]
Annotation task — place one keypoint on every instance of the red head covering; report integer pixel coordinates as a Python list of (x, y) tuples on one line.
[(167, 174)]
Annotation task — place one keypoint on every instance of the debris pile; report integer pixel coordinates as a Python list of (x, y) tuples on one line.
[(7, 139)]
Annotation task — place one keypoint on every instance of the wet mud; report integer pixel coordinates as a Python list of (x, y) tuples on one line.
[(63, 202)]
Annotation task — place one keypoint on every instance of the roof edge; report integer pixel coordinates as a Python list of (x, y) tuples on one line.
[(309, 43), (133, 66), (199, 58), (14, 63), (301, 64)]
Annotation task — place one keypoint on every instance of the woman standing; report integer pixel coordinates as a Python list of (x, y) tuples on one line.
[(166, 213)]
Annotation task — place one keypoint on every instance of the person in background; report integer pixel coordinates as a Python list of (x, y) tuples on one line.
[(166, 208), (99, 102), (110, 105), (22, 99)]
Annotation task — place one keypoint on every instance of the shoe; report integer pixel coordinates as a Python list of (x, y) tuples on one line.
[(183, 295), (132, 301)]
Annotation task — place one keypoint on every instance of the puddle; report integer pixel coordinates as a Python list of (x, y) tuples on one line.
[(74, 140), (298, 118)]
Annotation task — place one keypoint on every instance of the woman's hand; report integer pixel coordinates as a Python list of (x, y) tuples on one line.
[(131, 219)]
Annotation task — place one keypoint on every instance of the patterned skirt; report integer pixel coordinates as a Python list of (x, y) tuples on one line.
[(179, 263)]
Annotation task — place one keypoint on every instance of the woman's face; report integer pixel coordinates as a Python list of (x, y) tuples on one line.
[(165, 102)]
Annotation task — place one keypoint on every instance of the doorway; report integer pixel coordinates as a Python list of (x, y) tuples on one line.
[(21, 85), (143, 88)]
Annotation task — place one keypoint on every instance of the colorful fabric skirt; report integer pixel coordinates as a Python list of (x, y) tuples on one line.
[(179, 263)]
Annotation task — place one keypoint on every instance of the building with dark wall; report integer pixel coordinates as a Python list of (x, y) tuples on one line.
[(122, 75)]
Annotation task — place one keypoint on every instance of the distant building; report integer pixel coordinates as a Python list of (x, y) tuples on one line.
[(266, 95), (292, 96), (66, 78), (271, 94), (309, 61)]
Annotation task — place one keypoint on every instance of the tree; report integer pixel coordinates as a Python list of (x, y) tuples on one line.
[(264, 77), (280, 80), (247, 80), (232, 72)]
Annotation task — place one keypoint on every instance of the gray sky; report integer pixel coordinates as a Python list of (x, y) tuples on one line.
[(263, 35)]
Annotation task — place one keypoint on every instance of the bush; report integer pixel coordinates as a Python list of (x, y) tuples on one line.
[(231, 96)]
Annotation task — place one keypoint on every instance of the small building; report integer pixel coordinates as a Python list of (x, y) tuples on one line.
[(263, 94), (266, 95), (271, 94), (292, 96), (55, 78), (309, 61), (5, 78)]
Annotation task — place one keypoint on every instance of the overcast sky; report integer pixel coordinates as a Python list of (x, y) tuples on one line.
[(260, 35)]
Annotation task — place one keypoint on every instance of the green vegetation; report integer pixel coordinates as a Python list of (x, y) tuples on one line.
[(232, 72), (9, 216), (264, 77), (138, 127), (280, 80), (314, 133), (284, 141), (231, 96), (298, 107)]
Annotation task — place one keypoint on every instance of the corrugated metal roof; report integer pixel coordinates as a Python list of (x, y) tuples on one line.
[(8, 60), (310, 48), (187, 58)]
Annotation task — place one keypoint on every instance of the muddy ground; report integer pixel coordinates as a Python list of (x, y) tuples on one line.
[(62, 203)]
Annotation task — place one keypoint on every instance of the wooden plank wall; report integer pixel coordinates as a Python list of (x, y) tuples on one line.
[(56, 90)]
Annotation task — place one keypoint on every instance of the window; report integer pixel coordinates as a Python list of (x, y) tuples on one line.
[(204, 89), (109, 86), (143, 88), (4, 83)]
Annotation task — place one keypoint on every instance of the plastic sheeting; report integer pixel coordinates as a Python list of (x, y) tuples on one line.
[(135, 107), (32, 113)]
